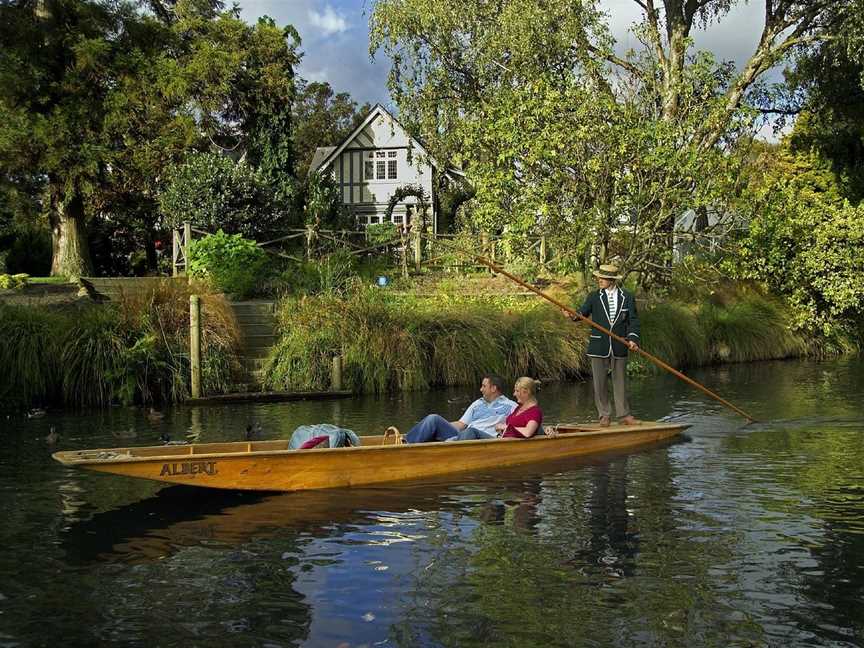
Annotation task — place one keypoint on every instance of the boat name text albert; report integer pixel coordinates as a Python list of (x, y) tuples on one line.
[(189, 468)]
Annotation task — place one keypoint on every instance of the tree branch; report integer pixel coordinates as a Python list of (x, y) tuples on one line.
[(766, 54), (611, 58)]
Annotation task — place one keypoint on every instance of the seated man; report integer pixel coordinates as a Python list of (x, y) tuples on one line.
[(479, 419)]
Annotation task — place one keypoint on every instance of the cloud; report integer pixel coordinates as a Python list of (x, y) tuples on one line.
[(329, 21)]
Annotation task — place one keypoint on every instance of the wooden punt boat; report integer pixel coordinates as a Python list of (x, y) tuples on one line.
[(272, 466)]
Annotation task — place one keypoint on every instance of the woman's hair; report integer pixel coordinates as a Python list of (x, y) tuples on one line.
[(533, 386)]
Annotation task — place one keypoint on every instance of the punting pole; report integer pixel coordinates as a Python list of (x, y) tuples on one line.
[(573, 314)]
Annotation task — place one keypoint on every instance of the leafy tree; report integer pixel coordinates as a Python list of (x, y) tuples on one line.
[(560, 133), (323, 206), (826, 92), (322, 118), (98, 99), (806, 241), (214, 192)]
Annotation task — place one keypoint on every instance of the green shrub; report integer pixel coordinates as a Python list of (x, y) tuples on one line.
[(214, 192), (379, 233), (671, 332), (92, 350), (13, 282), (133, 351), (233, 264), (30, 251), (753, 328)]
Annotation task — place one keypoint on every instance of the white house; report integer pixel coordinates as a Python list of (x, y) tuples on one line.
[(369, 165)]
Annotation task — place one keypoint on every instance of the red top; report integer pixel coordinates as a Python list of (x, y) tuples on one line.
[(520, 419)]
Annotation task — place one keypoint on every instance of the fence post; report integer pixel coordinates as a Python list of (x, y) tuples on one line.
[(175, 250), (492, 253), (416, 241), (336, 374), (187, 239), (543, 250), (195, 344)]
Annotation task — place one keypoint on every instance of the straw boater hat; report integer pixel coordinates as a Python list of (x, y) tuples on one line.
[(607, 271)]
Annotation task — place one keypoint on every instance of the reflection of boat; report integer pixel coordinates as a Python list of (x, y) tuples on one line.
[(272, 466)]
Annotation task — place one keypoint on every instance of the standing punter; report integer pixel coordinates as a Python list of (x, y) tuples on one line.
[(615, 309)]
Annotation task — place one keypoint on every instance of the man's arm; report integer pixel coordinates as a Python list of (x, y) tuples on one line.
[(587, 306), (466, 419)]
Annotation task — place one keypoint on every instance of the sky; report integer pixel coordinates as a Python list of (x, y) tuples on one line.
[(335, 37)]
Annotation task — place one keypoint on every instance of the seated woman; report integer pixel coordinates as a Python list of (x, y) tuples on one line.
[(524, 421)]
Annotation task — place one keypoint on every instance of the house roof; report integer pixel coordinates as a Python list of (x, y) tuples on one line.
[(321, 154), (376, 111)]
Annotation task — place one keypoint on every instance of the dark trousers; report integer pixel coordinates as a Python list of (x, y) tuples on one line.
[(600, 368)]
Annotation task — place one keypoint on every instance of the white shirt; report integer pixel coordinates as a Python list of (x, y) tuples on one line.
[(612, 295), (485, 416)]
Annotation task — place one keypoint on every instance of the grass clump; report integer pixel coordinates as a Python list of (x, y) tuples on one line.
[(28, 356), (397, 342), (131, 351), (391, 341)]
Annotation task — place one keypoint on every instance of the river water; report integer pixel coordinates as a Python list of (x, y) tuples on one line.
[(736, 536)]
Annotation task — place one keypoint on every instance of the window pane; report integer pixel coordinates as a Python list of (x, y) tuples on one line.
[(369, 170), (380, 164), (391, 169), (391, 153), (380, 154)]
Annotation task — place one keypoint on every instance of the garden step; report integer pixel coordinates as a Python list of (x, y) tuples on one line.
[(253, 307), (257, 341), (255, 318), (253, 364), (248, 329), (257, 353)]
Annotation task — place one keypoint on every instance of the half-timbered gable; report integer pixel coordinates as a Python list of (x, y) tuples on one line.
[(372, 163)]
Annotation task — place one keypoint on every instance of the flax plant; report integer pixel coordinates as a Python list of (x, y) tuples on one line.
[(28, 356)]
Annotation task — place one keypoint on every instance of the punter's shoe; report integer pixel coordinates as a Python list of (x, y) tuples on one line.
[(629, 420), (604, 421)]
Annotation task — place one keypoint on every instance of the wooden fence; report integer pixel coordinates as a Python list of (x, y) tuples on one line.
[(408, 248)]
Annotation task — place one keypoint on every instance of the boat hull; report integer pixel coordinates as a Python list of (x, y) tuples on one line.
[(271, 466)]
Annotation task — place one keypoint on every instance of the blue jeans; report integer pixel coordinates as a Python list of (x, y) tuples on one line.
[(470, 433), (431, 428)]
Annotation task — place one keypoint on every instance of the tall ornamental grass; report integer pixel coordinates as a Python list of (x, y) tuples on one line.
[(135, 350), (28, 358), (395, 342), (391, 343)]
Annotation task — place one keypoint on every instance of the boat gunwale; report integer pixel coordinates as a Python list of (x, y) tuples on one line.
[(122, 455)]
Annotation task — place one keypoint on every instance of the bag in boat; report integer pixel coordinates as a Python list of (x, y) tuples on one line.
[(338, 437)]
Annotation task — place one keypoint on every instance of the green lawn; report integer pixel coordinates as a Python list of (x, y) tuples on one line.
[(47, 280)]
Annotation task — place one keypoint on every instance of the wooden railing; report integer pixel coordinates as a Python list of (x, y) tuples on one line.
[(409, 247)]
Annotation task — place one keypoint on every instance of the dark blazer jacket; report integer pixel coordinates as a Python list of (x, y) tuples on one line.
[(626, 323)]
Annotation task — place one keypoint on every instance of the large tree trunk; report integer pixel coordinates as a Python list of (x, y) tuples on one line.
[(71, 253)]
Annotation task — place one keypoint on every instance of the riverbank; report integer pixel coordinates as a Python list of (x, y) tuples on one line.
[(135, 350), (399, 341)]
